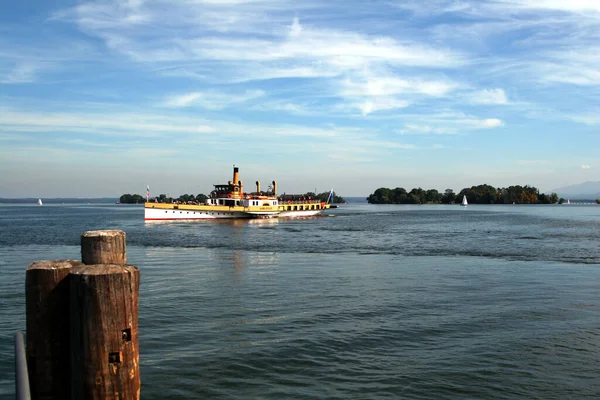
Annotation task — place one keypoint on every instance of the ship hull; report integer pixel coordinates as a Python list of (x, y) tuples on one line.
[(154, 214), (174, 212)]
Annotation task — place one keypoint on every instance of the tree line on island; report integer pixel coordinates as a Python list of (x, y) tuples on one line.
[(201, 198), (482, 194)]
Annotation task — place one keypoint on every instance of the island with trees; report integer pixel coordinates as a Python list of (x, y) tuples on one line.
[(481, 194)]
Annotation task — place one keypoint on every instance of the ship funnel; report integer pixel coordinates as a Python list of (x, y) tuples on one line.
[(241, 189), (258, 187), (236, 175), (274, 188)]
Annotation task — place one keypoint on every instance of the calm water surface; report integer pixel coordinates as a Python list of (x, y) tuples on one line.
[(371, 302)]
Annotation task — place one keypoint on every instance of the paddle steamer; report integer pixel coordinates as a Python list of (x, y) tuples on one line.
[(230, 201)]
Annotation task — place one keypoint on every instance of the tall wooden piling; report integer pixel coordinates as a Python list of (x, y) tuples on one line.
[(104, 334), (103, 247), (47, 324), (104, 320), (82, 323)]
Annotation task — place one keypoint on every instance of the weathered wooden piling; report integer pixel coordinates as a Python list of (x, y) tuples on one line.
[(82, 323), (47, 324), (103, 247), (104, 332), (104, 320)]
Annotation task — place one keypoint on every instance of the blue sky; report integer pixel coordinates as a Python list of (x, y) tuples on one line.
[(103, 98)]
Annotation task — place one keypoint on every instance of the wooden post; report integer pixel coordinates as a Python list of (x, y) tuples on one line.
[(47, 323), (103, 247), (104, 332)]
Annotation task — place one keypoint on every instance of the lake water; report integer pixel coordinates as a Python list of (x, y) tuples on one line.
[(370, 302)]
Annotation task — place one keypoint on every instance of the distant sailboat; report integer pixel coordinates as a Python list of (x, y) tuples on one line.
[(568, 201), (40, 202), (464, 202)]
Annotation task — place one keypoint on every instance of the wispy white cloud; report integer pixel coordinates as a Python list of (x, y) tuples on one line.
[(21, 72), (369, 106), (447, 124), (287, 48), (416, 129), (573, 6), (371, 91), (498, 8), (579, 66), (591, 118), (382, 85), (552, 41), (180, 136), (212, 100), (488, 96), (583, 166), (135, 125)]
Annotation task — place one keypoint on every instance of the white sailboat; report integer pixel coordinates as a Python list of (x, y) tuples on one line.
[(568, 201), (40, 202), (464, 201)]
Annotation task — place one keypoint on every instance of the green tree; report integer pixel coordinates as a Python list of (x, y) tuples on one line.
[(126, 199), (131, 199), (381, 196), (433, 196), (448, 197)]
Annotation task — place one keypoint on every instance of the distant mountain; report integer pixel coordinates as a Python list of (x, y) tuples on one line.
[(581, 191)]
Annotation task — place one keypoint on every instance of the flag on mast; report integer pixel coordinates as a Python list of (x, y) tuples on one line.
[(147, 192), (330, 197)]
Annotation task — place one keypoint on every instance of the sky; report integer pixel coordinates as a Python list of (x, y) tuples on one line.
[(102, 98)]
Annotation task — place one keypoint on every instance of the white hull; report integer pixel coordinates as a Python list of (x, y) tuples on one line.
[(156, 214)]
